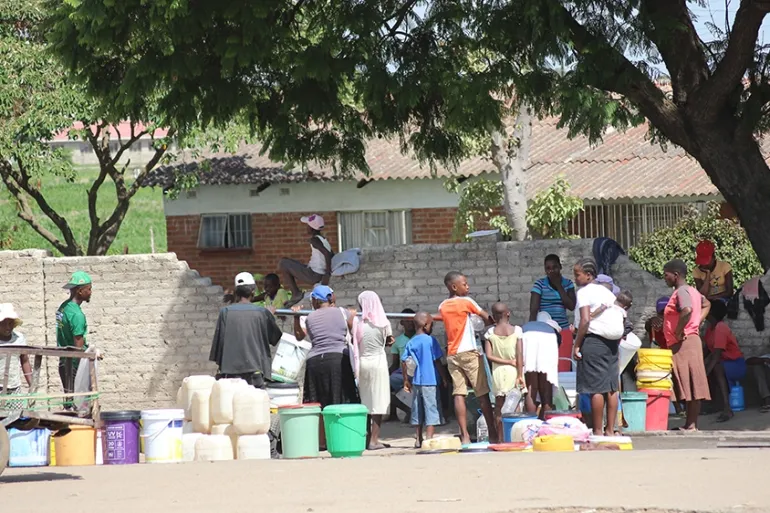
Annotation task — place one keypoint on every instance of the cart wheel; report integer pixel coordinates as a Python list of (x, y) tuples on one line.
[(5, 448)]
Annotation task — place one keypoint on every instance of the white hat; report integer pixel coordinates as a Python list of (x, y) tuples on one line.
[(7, 312), (546, 318), (244, 279)]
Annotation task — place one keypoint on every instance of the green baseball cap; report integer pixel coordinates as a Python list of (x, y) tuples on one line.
[(79, 278)]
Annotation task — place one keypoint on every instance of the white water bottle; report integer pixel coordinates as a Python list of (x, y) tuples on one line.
[(482, 432)]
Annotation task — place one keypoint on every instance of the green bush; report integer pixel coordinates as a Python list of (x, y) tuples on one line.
[(680, 240)]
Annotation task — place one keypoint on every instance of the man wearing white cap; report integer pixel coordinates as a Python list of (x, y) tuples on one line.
[(243, 336), (319, 267), (9, 321)]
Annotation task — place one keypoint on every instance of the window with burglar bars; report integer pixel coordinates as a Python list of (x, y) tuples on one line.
[(225, 231), (375, 229), (628, 223)]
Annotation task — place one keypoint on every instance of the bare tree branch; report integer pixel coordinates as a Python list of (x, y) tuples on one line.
[(737, 59), (668, 24), (614, 72)]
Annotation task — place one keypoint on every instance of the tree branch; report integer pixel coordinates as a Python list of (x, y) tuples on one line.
[(613, 72), (667, 23), (15, 183), (737, 59)]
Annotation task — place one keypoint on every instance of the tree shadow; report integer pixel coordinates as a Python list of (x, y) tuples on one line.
[(38, 478)]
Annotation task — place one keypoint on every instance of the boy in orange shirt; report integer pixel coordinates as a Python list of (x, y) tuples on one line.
[(463, 357)]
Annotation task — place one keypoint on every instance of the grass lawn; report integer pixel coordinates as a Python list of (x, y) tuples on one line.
[(70, 200)]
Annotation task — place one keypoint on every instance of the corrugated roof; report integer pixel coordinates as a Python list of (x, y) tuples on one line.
[(624, 165)]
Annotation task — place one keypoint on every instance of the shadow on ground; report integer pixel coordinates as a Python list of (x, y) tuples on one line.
[(40, 477)]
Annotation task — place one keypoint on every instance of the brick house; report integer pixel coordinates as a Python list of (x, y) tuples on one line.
[(244, 214)]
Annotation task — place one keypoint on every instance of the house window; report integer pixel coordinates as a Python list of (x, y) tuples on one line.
[(225, 231), (375, 229)]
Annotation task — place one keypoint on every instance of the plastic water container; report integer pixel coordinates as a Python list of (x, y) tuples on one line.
[(658, 402), (214, 448), (482, 430), (189, 385), (201, 411), (222, 394), (219, 429), (162, 435), (233, 435), (736, 397), (283, 394), (299, 430), (120, 437), (346, 426), (509, 421), (254, 447), (627, 349), (290, 355), (251, 411), (635, 410), (29, 448), (188, 445), (76, 448)]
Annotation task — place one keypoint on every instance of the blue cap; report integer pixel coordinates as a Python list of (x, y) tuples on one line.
[(322, 293)]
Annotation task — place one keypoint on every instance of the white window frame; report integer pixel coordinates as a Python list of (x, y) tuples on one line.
[(404, 237), (227, 237)]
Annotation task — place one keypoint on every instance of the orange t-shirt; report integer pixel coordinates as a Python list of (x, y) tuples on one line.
[(456, 314), (722, 337)]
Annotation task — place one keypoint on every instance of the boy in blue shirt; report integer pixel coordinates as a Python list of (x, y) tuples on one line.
[(425, 353)]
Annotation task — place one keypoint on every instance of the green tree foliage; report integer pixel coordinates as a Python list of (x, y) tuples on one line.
[(680, 240), (548, 213), (317, 79), (482, 199)]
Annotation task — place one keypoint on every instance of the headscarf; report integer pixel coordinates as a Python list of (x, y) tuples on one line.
[(371, 312), (660, 304)]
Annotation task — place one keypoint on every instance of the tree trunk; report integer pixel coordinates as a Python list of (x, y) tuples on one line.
[(735, 164), (511, 157)]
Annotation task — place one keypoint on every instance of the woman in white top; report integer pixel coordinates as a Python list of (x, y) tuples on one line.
[(372, 333), (596, 346), (318, 269)]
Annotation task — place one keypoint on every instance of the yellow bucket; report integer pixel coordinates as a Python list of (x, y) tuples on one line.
[(76, 448), (655, 359), (553, 443), (53, 453), (658, 384)]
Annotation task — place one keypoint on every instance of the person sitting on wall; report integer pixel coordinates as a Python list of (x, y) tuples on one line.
[(713, 278), (319, 267)]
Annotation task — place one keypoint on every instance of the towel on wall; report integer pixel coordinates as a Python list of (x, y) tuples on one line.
[(346, 262)]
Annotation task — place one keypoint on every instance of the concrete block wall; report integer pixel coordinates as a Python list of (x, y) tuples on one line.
[(151, 316), (412, 277)]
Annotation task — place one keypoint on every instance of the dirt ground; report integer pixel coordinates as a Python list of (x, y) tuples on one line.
[(716, 480)]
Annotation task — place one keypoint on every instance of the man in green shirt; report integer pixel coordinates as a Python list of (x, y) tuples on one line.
[(71, 326)]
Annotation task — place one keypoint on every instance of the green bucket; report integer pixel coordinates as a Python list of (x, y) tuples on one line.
[(299, 431), (345, 426)]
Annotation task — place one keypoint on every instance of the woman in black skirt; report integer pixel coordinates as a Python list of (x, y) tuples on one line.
[(328, 374), (596, 348)]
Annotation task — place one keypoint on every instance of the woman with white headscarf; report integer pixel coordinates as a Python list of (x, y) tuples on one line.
[(372, 332)]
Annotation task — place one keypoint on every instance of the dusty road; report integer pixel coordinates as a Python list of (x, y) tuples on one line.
[(691, 480)]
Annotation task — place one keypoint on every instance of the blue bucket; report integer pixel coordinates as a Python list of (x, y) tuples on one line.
[(635, 410), (510, 420)]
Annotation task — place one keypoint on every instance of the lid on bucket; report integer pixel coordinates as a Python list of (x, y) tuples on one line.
[(519, 416), (277, 384), (170, 414), (121, 415), (343, 409), (298, 406)]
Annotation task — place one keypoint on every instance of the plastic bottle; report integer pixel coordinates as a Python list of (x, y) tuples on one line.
[(736, 397), (482, 432)]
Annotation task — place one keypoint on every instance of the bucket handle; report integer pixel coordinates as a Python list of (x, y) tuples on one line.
[(339, 416), (158, 432), (667, 376)]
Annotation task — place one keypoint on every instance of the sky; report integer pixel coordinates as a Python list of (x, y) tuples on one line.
[(718, 9)]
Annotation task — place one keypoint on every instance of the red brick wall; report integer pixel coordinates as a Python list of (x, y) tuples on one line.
[(432, 225), (274, 236)]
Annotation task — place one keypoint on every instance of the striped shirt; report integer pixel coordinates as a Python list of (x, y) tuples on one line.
[(550, 300)]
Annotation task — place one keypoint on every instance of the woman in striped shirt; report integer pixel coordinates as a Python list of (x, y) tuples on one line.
[(553, 294)]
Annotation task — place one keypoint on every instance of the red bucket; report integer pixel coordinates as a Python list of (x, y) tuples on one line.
[(565, 351), (658, 404)]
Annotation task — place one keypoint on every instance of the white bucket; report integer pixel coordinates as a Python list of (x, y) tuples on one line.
[(290, 355), (627, 349), (283, 394), (162, 435)]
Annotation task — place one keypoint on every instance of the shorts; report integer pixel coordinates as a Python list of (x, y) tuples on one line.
[(735, 370), (300, 271), (396, 381), (426, 406), (467, 369)]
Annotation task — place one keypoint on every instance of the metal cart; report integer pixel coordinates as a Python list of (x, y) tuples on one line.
[(34, 409)]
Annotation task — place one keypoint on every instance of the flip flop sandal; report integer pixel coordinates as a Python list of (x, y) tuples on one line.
[(724, 417), (765, 409)]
